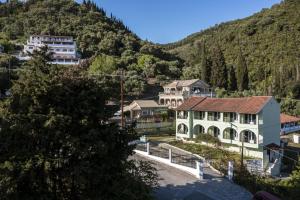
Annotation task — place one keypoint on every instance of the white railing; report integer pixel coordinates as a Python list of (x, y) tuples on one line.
[(173, 93), (204, 94), (290, 129)]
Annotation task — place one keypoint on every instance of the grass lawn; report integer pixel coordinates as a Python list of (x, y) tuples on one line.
[(218, 157), (205, 151), (161, 138)]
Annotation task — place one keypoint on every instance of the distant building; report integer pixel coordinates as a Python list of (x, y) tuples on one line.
[(144, 109), (64, 48), (176, 92), (254, 121), (289, 124)]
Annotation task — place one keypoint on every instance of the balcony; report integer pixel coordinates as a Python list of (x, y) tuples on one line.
[(248, 119), (291, 129), (204, 94), (181, 93), (182, 115)]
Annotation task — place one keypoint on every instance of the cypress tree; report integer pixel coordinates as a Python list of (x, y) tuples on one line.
[(232, 82), (205, 66), (219, 70), (242, 73)]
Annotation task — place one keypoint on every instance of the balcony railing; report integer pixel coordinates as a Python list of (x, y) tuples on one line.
[(290, 129), (212, 118), (204, 94), (174, 93)]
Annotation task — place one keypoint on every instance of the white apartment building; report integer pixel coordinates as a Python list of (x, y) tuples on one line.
[(64, 48), (254, 121), (176, 92)]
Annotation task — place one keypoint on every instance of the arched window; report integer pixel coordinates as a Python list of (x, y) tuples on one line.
[(179, 102), (248, 137), (214, 131), (198, 129), (229, 134), (182, 129)]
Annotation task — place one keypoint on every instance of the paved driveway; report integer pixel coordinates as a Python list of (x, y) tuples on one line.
[(178, 185)]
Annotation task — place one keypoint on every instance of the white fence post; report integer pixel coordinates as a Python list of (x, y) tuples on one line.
[(148, 148), (230, 170), (199, 167), (170, 155)]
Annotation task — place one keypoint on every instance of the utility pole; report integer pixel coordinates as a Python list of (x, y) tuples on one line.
[(122, 98), (242, 154)]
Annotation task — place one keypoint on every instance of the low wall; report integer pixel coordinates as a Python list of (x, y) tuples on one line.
[(194, 172)]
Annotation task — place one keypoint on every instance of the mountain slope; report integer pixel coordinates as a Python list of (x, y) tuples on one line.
[(101, 38), (269, 40)]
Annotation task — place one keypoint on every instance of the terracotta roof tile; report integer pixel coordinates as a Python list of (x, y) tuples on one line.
[(190, 103), (284, 118), (247, 105)]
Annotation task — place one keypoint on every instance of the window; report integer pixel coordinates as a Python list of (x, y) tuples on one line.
[(213, 116), (229, 134), (248, 119), (229, 117), (248, 136), (214, 131), (199, 115), (65, 50), (145, 112), (182, 129), (182, 114), (198, 129)]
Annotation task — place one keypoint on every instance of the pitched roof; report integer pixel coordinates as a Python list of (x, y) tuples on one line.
[(184, 83), (139, 104), (247, 105), (284, 118), (190, 103), (146, 103)]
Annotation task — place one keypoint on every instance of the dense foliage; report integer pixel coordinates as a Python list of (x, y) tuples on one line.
[(269, 40), (56, 142), (105, 40)]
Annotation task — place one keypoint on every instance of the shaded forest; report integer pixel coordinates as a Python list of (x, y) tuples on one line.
[(269, 41)]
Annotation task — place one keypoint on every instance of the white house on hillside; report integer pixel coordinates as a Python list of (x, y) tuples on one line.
[(64, 48), (252, 120), (289, 124), (176, 92)]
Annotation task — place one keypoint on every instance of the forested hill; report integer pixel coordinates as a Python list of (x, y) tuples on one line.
[(269, 41), (93, 31), (99, 36)]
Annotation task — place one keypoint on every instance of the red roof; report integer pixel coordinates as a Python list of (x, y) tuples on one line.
[(284, 118), (247, 105), (190, 103)]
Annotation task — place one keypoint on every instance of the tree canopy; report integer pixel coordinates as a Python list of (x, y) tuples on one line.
[(55, 142)]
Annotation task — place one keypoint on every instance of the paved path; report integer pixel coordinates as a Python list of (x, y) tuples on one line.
[(177, 185)]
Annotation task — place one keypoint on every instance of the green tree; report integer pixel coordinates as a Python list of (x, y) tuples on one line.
[(296, 90), (103, 64), (242, 73), (205, 66), (232, 82), (219, 71), (55, 142)]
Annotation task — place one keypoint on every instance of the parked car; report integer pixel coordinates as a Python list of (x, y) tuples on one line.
[(262, 195)]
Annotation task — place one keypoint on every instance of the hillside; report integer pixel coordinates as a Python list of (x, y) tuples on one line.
[(100, 38), (269, 41)]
